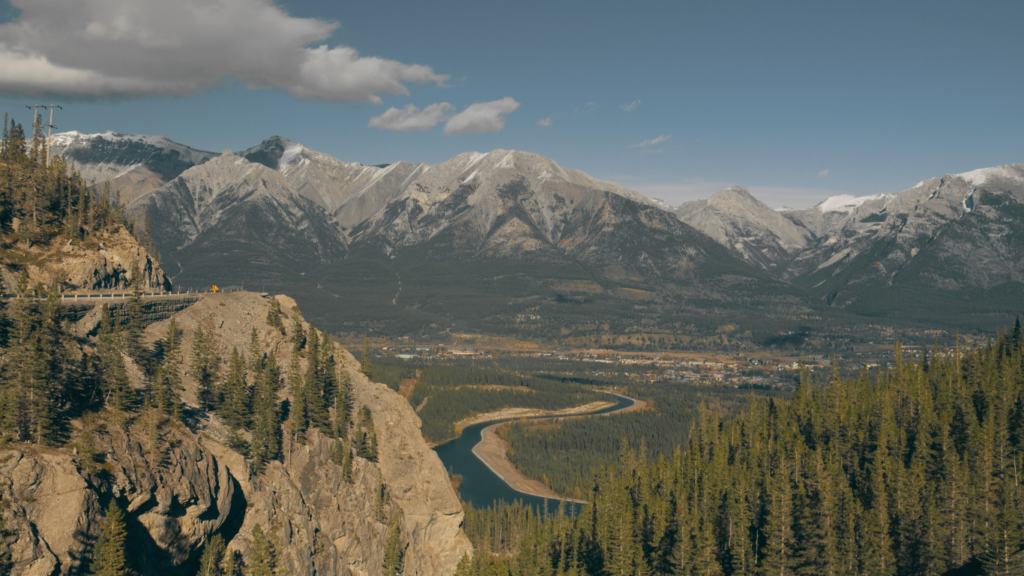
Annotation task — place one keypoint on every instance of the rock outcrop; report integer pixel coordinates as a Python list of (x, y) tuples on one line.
[(102, 263), (176, 495), (180, 485)]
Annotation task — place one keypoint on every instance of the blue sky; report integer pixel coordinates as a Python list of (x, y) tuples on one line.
[(797, 100)]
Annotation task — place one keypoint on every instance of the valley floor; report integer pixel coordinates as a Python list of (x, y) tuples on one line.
[(492, 449)]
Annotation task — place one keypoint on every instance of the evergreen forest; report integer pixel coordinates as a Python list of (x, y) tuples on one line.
[(565, 454), (912, 471)]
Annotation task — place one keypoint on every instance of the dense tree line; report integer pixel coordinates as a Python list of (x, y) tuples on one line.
[(565, 454), (46, 200), (912, 472)]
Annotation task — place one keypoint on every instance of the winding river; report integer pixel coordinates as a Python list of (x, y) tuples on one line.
[(480, 486)]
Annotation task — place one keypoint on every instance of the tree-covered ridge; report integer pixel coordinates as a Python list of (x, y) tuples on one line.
[(44, 198), (912, 472), (565, 454)]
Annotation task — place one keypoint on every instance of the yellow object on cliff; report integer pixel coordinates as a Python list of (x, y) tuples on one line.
[(214, 289)]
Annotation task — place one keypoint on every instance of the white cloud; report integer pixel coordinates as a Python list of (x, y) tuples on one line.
[(411, 118), (133, 48), (631, 106), (651, 142), (545, 122), (481, 117), (823, 173)]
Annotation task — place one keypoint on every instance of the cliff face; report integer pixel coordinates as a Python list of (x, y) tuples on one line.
[(176, 497), (184, 485), (105, 262)]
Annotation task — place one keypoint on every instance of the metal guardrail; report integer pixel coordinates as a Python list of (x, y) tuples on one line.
[(111, 296)]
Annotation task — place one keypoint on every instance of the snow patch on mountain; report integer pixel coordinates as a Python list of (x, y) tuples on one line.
[(291, 151), (848, 203), (982, 175)]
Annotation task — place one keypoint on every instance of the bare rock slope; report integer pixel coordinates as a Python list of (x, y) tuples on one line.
[(182, 485)]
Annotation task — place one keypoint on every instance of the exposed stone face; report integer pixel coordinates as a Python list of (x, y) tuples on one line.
[(175, 498), (183, 488), (106, 266)]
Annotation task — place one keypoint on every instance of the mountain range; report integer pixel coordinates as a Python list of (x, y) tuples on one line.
[(510, 242)]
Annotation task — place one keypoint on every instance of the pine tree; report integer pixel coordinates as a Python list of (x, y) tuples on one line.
[(267, 420), (133, 336), (393, 550), (168, 398), (274, 315), (262, 557), (778, 531), (346, 463), (299, 420), (206, 364), (366, 436), (232, 564), (313, 386), (342, 404), (213, 553), (116, 388), (109, 555), (298, 336), (235, 406), (1002, 554)]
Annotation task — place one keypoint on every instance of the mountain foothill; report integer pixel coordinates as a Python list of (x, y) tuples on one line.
[(511, 243)]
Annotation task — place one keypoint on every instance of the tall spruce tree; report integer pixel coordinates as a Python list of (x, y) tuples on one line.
[(206, 364), (109, 555), (235, 406)]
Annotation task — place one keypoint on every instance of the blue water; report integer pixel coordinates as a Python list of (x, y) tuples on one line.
[(483, 488)]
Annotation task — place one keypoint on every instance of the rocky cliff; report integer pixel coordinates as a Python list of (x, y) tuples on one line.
[(101, 262), (181, 484)]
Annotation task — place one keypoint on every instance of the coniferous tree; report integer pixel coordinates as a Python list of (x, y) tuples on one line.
[(366, 436), (779, 544), (266, 417), (342, 403), (133, 335), (393, 550), (274, 315), (262, 556), (232, 564), (109, 555), (346, 463), (116, 388), (206, 364), (298, 337), (168, 398), (313, 386), (235, 406), (213, 554), (299, 419)]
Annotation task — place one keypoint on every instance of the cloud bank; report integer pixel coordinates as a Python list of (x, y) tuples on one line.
[(481, 117), (631, 106), (411, 118), (545, 122), (137, 48)]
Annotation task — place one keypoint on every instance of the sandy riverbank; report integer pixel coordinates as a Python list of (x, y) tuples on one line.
[(491, 450)]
